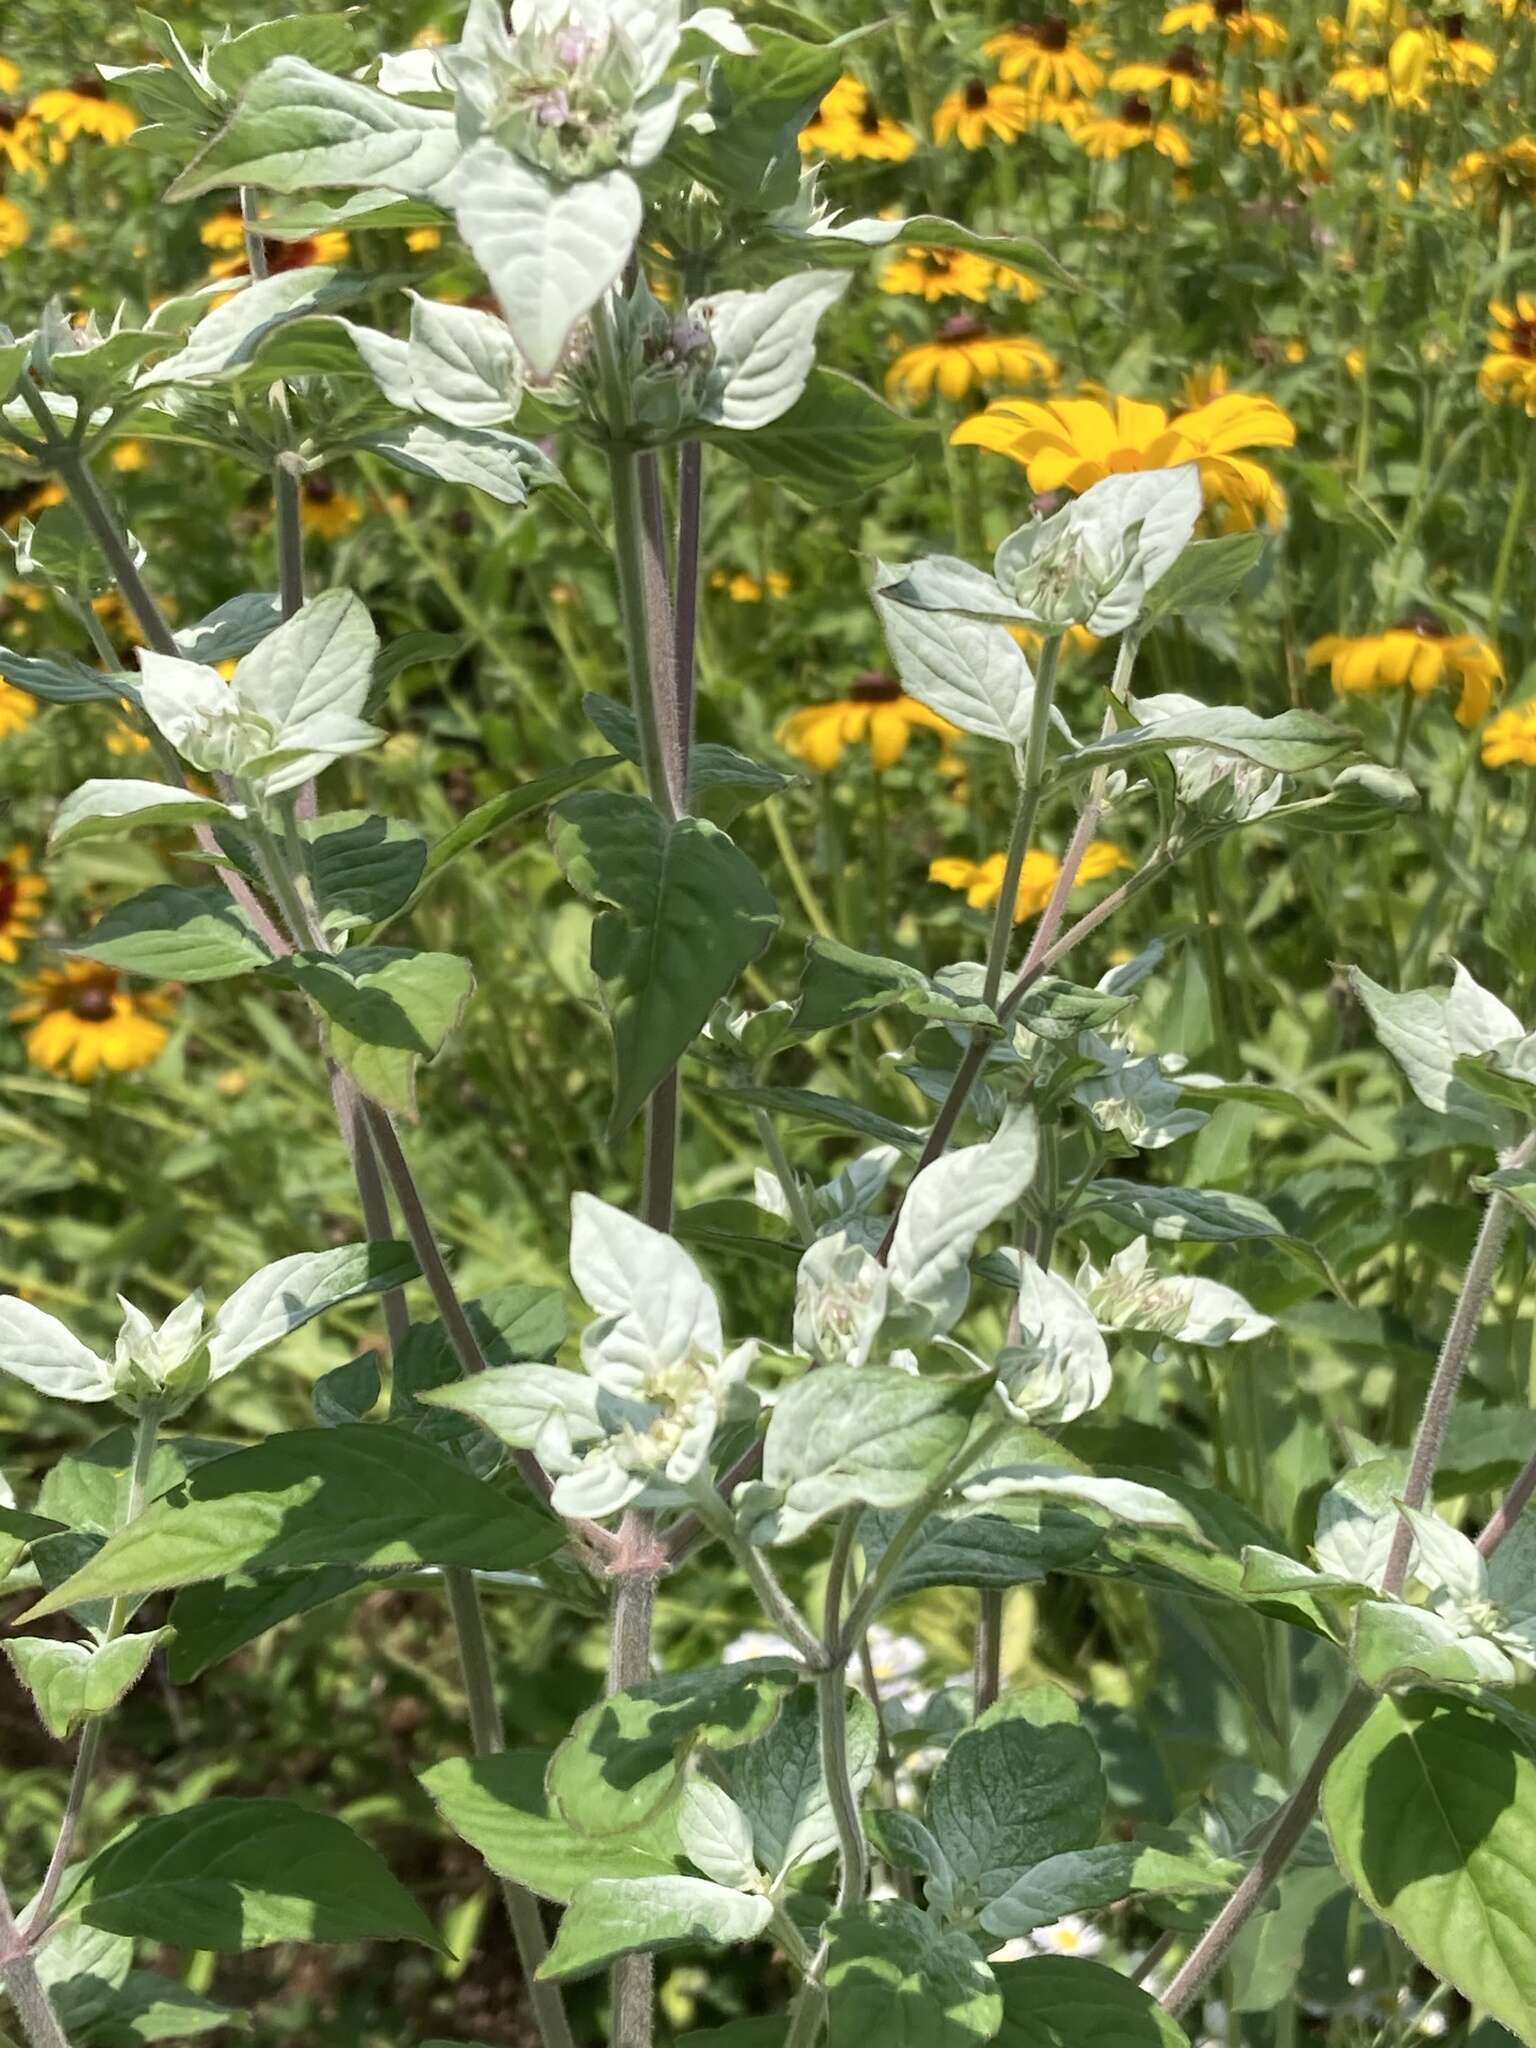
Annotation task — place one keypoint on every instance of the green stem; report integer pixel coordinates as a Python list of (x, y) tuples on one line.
[(716, 1516), (832, 1716), (784, 1173), (1511, 536), (18, 1973), (872, 1592)]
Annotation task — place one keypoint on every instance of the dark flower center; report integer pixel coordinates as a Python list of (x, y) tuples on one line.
[(88, 89), (874, 687), (319, 490), (961, 329), (1137, 111), (976, 95), (1455, 27), (1522, 339), (288, 255), (937, 262), (869, 120), (7, 893), (93, 1002), (1424, 624), (1184, 62), (9, 117), (1227, 10), (1053, 34)]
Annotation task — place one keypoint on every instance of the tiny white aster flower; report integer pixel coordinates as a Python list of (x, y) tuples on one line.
[(755, 1642), (1069, 1936)]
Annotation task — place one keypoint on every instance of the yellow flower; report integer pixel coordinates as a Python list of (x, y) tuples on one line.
[(14, 225), (125, 739), (981, 881), (24, 146), (1134, 126), (1362, 79), (1070, 443), (83, 1021), (973, 113), (21, 902), (1459, 59), (962, 355), (327, 511), (1241, 22), (422, 241), (224, 234), (849, 125), (1291, 125), (1508, 375), (10, 76), (130, 456), (1202, 384), (84, 109), (1497, 175), (1410, 64), (1181, 74), (1511, 737), (1420, 652), (1047, 58), (744, 589), (1076, 640), (17, 710), (934, 274), (876, 710)]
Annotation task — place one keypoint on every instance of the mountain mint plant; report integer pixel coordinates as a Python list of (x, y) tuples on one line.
[(958, 1298)]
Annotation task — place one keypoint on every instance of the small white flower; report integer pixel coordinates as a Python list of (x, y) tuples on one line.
[(1070, 1936), (753, 1643)]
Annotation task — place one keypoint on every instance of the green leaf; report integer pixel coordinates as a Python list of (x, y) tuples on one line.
[(74, 1682), (231, 629), (862, 1436), (1426, 1031), (1083, 1880), (387, 1008), (811, 1107), (757, 107), (228, 338), (893, 1978), (212, 1621), (365, 1495), (107, 809), (1009, 1794), (348, 1393), (721, 782), (1208, 572), (232, 1874), (297, 128), (842, 986), (610, 1917), (779, 1783), (623, 1761), (363, 868), (990, 1551), (290, 1292), (154, 2008), (500, 1807), (1518, 1183), (837, 441), (1431, 1809), (327, 40), (689, 914), (1362, 798), (1069, 2002), (503, 466), (1058, 1010), (174, 934), (1292, 743), (62, 681)]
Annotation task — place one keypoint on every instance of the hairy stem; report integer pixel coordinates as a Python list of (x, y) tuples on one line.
[(18, 1973), (832, 1717)]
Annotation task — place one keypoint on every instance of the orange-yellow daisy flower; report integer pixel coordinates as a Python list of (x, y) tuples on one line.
[(1241, 22), (22, 895), (981, 881), (1508, 375), (975, 112), (876, 712), (1419, 651), (1133, 126), (1048, 58), (1510, 738), (963, 355), (1182, 75), (84, 1022), (83, 108)]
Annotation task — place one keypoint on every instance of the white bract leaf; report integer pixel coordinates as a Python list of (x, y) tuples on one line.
[(165, 1363), (540, 1408), (1444, 1561), (230, 334), (1216, 776), (1426, 1030), (1130, 1294), (37, 1348), (1059, 1369), (1357, 1521), (716, 1835), (462, 364), (1130, 1095), (947, 1207), (946, 583), (765, 346), (103, 809), (841, 1295), (1092, 563), (1143, 1507), (973, 674), (293, 704), (550, 251), (285, 1295)]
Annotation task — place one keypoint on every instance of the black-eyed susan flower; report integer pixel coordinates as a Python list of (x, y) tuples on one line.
[(83, 1022), (83, 108), (1420, 651), (981, 881), (1182, 75), (22, 895), (876, 712), (327, 511), (934, 274), (223, 234), (1362, 76), (976, 112), (1070, 443), (849, 125), (1241, 22), (24, 145), (963, 355), (1499, 175), (1049, 58), (1508, 375), (1292, 126), (17, 710), (1509, 740), (1133, 125), (14, 225), (1459, 58)]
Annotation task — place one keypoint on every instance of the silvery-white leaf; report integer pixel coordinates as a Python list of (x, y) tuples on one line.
[(841, 1295), (409, 71), (550, 251), (652, 124), (948, 1206), (1143, 1507), (106, 807), (37, 1348), (599, 1486), (284, 1296), (1161, 506), (716, 1835), (180, 696), (1398, 1644), (654, 1306), (535, 1407), (946, 583), (1132, 1295), (504, 466), (1357, 1520), (974, 675), (765, 346), (1444, 1560), (1131, 1096), (722, 28), (230, 334), (318, 662), (462, 364), (1059, 1368), (1426, 1030)]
